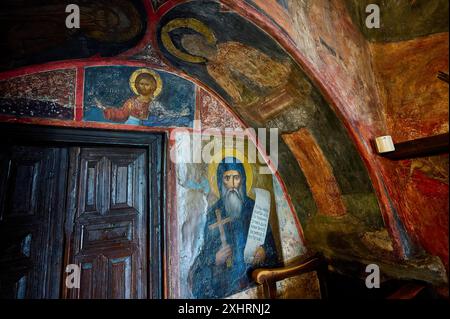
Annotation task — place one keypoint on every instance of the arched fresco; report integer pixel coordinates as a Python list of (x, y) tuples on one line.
[(209, 58), (268, 89)]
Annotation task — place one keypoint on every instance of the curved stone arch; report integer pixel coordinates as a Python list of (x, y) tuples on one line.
[(325, 92), (403, 245), (361, 155)]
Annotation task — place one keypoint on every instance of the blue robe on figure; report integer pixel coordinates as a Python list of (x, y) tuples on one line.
[(208, 280)]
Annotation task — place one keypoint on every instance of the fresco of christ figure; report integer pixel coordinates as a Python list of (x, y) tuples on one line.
[(221, 269), (146, 84)]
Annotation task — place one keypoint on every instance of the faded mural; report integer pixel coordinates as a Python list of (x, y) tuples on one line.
[(214, 114), (322, 170), (38, 33), (149, 55), (138, 96), (252, 78), (268, 89), (230, 220), (410, 101), (48, 94)]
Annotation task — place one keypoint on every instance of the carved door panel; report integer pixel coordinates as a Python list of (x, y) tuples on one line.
[(32, 195), (107, 222)]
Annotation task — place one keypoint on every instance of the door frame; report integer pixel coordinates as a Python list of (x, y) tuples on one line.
[(153, 142)]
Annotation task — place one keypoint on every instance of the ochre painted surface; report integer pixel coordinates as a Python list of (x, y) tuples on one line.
[(415, 101), (415, 106), (318, 172), (382, 89), (401, 19), (325, 36)]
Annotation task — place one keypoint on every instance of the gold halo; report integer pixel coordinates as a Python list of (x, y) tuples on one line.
[(217, 158), (189, 23), (155, 75)]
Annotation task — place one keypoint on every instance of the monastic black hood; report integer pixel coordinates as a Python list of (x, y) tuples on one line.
[(228, 164)]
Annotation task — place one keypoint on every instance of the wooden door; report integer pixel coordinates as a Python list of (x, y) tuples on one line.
[(99, 207), (32, 195), (107, 222)]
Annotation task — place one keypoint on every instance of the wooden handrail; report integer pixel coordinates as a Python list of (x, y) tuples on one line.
[(276, 274), (267, 277)]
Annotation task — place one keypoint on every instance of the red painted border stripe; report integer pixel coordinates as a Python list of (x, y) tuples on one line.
[(79, 95)]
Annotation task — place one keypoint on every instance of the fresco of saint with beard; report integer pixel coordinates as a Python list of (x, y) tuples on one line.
[(220, 270)]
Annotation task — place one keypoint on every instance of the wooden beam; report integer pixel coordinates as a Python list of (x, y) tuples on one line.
[(433, 145)]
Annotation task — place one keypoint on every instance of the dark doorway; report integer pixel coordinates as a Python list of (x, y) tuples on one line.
[(87, 198)]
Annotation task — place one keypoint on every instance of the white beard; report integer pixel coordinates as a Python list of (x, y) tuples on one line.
[(232, 201)]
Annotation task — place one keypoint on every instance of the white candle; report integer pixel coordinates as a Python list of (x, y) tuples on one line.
[(384, 144)]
